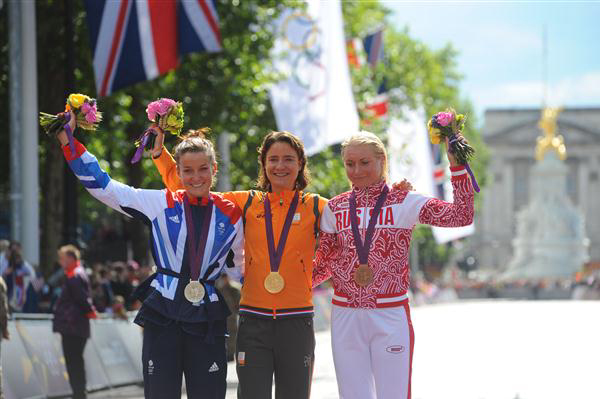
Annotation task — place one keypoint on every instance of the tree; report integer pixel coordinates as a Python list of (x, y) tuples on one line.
[(226, 91)]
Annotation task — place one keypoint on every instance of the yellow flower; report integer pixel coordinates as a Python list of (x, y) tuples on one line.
[(77, 100), (435, 136)]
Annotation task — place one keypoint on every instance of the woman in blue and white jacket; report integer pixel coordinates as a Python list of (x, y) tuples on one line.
[(196, 235)]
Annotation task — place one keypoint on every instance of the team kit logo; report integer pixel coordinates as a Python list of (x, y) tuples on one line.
[(342, 218)]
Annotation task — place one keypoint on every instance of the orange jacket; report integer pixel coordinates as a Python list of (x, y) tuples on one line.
[(296, 265)]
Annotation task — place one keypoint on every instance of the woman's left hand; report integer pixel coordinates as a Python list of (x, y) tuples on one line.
[(62, 135), (451, 157), (404, 185)]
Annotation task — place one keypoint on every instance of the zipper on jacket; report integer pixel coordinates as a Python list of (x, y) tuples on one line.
[(366, 213)]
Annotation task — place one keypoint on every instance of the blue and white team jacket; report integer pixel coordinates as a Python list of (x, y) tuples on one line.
[(163, 212)]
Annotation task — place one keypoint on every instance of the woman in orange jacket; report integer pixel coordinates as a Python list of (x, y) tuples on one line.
[(281, 222)]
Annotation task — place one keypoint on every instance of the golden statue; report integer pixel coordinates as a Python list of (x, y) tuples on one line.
[(550, 141)]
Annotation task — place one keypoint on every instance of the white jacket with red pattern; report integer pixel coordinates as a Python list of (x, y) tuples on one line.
[(337, 258)]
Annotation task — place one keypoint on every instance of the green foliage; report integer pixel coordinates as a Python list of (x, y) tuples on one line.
[(226, 91)]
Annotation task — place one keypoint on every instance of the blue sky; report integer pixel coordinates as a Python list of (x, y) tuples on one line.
[(500, 46)]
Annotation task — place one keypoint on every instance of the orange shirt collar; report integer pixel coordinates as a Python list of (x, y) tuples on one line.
[(285, 196)]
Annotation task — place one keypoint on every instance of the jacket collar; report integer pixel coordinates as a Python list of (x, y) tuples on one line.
[(193, 200), (283, 197), (372, 190)]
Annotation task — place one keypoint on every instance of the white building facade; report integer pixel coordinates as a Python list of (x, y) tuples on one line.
[(511, 137)]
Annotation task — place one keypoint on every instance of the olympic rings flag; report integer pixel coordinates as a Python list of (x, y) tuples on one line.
[(314, 100)]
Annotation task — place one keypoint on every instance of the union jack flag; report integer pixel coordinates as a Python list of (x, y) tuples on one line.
[(133, 41)]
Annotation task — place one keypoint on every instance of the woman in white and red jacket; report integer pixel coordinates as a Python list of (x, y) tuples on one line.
[(372, 334)]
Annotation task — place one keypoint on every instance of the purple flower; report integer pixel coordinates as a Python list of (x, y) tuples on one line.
[(444, 118)]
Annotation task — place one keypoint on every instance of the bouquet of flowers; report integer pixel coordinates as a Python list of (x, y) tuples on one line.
[(449, 125), (86, 113), (165, 113)]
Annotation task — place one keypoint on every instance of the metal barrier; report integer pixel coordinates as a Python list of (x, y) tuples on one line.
[(34, 366)]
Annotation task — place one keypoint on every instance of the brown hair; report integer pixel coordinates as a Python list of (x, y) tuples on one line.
[(368, 138), (196, 141), (303, 177), (70, 250)]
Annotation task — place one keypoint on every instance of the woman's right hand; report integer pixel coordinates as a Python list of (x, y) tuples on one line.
[(62, 135), (158, 141)]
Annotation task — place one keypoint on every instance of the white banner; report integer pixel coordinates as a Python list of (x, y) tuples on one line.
[(314, 100), (410, 158)]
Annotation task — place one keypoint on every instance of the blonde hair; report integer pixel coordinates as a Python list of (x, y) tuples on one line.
[(368, 138), (70, 250)]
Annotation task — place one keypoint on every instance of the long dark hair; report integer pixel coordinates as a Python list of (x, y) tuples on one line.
[(303, 177)]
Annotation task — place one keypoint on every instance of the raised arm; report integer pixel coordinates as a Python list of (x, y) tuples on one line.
[(458, 213), (121, 197), (165, 163)]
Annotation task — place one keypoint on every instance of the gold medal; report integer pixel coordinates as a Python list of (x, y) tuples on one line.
[(194, 291), (363, 275), (274, 283)]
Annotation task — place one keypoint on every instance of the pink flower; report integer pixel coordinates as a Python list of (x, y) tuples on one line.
[(164, 105), (444, 118), (90, 117), (159, 107), (152, 110), (89, 111)]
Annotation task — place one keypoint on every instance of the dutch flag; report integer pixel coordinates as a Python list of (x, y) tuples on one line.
[(133, 41)]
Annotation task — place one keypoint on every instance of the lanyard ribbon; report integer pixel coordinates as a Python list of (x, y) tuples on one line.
[(275, 256), (363, 248), (196, 249), (452, 140), (69, 133)]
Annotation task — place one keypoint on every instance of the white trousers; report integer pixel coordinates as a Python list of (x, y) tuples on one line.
[(372, 352)]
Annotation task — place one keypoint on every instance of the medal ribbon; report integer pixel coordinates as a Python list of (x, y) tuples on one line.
[(363, 249), (196, 251), (69, 133), (275, 256)]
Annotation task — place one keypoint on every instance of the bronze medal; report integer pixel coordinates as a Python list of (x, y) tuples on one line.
[(363, 275), (194, 291), (274, 283)]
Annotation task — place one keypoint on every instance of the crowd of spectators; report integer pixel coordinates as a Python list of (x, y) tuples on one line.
[(427, 290), (112, 283)]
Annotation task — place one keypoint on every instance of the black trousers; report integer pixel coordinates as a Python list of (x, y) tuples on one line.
[(284, 348), (169, 352), (73, 347)]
